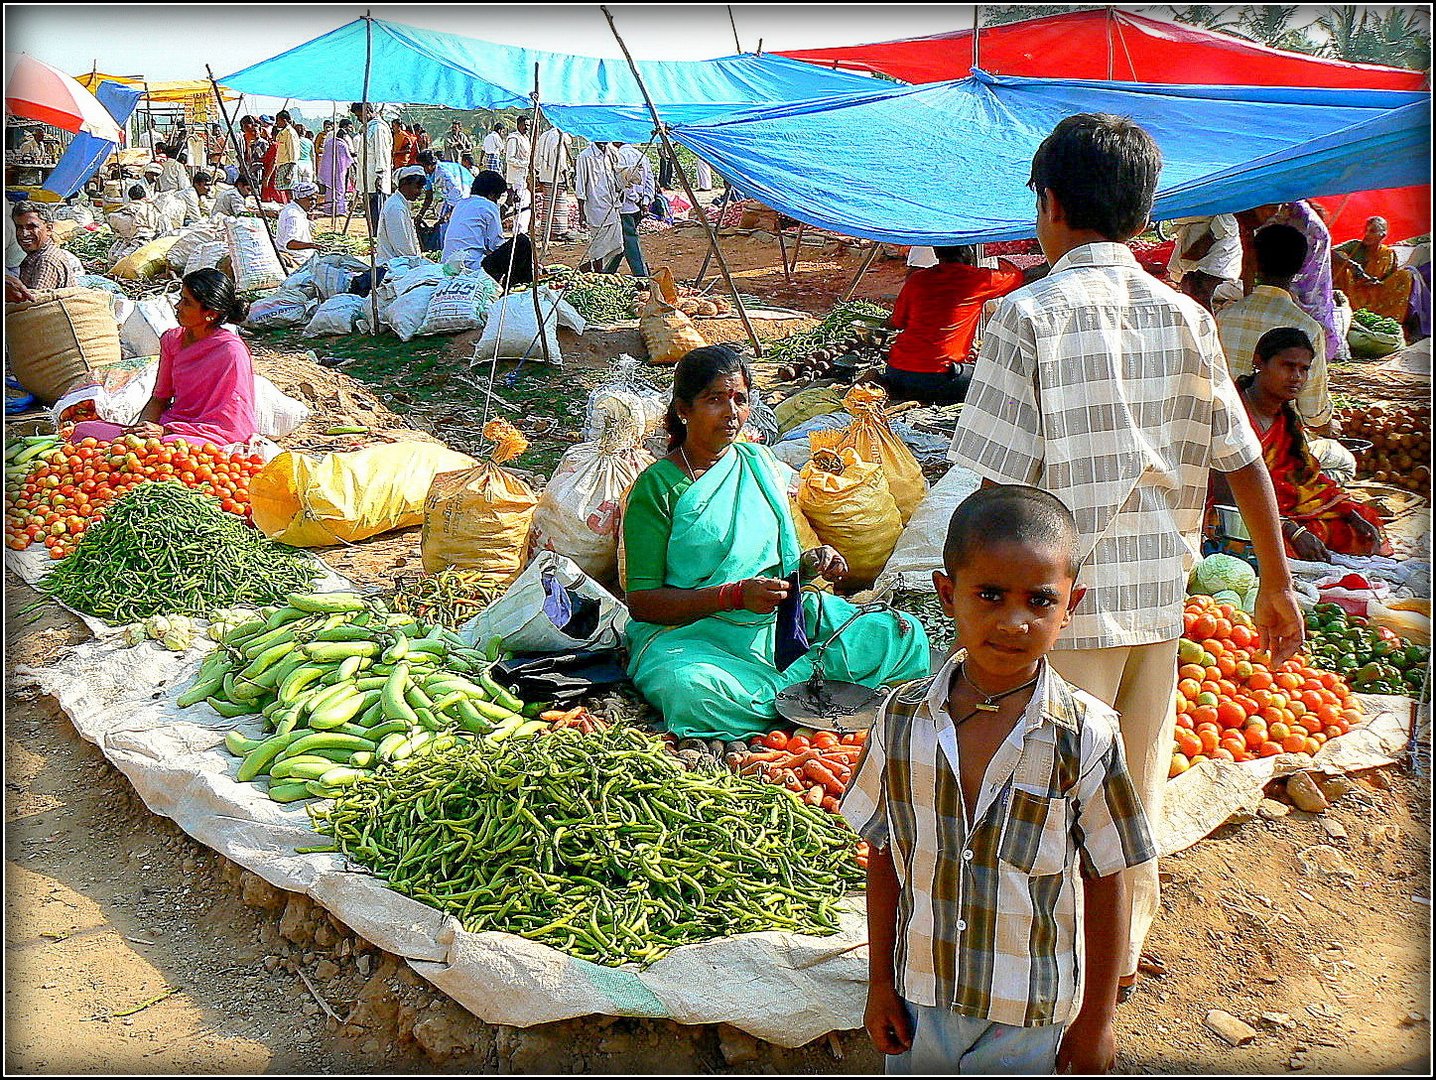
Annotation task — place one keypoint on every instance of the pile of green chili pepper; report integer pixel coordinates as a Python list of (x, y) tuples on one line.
[(451, 597), (166, 549), (599, 845)]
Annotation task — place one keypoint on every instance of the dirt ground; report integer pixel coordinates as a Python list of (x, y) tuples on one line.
[(131, 948)]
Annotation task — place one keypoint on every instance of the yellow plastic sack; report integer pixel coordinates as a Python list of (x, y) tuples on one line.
[(147, 261), (342, 498), (848, 504), (870, 435), (668, 333), (479, 518)]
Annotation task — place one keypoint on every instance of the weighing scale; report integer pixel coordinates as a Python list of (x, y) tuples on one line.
[(828, 704)]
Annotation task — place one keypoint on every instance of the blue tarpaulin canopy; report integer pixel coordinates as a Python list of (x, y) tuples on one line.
[(86, 153), (947, 163), (595, 98)]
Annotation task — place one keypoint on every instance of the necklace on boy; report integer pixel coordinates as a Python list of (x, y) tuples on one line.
[(989, 702)]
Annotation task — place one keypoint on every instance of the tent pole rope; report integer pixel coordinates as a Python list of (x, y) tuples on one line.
[(239, 157), (662, 131), (863, 269), (369, 178)]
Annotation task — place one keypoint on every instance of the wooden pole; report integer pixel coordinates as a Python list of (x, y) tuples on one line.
[(708, 255), (797, 248), (737, 45), (976, 30), (533, 210), (863, 269), (662, 130), (371, 221), (239, 156), (783, 252)]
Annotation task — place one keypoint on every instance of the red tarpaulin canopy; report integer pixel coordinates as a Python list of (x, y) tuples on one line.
[(1127, 47)]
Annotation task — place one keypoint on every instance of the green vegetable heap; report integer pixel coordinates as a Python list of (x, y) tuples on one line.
[(167, 549), (599, 298), (1377, 324), (834, 328), (600, 845), (1373, 661)]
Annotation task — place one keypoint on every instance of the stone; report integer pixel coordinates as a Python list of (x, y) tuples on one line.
[(1383, 836), (1304, 793), (1376, 780), (370, 1047), (737, 1047), (255, 892), (324, 935), (326, 970), (1324, 861), (1334, 787), (1413, 1018), (1270, 809), (1233, 1031), (310, 1008), (272, 962), (1333, 828), (294, 924), (365, 964), (439, 1037), (1276, 1019)]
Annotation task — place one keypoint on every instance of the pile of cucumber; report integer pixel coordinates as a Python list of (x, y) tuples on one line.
[(343, 685)]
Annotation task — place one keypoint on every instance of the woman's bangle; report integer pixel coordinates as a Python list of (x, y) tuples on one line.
[(730, 596)]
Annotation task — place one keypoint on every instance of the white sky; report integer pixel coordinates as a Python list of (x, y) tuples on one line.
[(175, 42)]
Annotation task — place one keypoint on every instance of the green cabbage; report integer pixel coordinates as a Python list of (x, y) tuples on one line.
[(1218, 573)]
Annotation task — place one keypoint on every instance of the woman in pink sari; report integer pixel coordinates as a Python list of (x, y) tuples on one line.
[(335, 165), (204, 391)]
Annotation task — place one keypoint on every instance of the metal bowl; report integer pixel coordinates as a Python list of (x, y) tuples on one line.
[(1356, 446)]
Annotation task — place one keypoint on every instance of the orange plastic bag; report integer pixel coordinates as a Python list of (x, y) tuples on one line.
[(479, 518), (870, 435), (848, 504)]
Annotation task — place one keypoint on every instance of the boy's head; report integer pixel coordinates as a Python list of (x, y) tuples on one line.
[(1096, 173), (1280, 253), (1010, 580)]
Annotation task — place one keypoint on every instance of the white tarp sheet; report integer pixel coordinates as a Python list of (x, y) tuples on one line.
[(787, 989)]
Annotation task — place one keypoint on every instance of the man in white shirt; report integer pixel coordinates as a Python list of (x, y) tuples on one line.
[(197, 198), (635, 179), (1208, 252), (551, 166), (475, 236), (373, 175), (1104, 387), (518, 151), (493, 149), (594, 185), (233, 201), (295, 235), (449, 181), (396, 235), (174, 174)]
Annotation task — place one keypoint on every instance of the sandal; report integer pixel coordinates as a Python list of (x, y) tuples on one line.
[(1126, 987)]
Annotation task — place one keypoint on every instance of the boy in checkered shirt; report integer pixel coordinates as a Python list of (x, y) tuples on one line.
[(992, 793)]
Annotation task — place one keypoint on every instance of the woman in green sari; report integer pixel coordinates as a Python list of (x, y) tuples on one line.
[(709, 550)]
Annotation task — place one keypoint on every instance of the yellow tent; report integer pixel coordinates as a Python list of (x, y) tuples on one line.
[(157, 93)]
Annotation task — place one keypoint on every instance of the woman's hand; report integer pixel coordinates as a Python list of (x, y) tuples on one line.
[(1309, 548), (1365, 531), (145, 429), (762, 595), (824, 562)]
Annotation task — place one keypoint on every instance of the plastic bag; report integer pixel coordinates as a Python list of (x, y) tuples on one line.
[(848, 503), (146, 261), (919, 550), (512, 328), (762, 426), (146, 322), (668, 333), (478, 518), (282, 307), (628, 386), (459, 303), (578, 513), (870, 435), (251, 255), (551, 607), (341, 314), (312, 501), (275, 412)]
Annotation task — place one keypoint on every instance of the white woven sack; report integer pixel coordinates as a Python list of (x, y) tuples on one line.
[(275, 412), (405, 273), (172, 208), (342, 314), (122, 223), (459, 303), (333, 274), (206, 256), (251, 255), (512, 329), (189, 239), (406, 314), (146, 323), (283, 307)]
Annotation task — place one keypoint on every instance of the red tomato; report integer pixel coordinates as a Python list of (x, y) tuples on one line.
[(774, 740)]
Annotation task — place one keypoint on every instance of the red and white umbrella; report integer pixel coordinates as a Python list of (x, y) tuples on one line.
[(37, 91)]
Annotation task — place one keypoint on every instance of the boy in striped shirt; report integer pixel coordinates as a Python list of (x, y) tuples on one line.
[(991, 794)]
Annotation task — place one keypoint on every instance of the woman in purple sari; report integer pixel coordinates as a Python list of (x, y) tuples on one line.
[(335, 165), (1312, 287)]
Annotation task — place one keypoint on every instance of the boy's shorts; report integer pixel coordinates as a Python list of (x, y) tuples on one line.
[(945, 1043)]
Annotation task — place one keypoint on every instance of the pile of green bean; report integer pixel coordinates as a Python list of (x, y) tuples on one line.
[(599, 298), (166, 549), (599, 845)]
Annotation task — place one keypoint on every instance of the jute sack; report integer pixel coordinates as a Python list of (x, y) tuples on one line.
[(479, 518), (668, 333), (59, 338), (148, 261)]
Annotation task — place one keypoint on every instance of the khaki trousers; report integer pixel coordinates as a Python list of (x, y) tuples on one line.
[(1140, 682)]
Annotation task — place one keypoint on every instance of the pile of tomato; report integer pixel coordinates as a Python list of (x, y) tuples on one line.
[(74, 484), (1234, 706)]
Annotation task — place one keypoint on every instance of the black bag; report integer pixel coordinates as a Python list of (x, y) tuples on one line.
[(559, 678), (790, 642)]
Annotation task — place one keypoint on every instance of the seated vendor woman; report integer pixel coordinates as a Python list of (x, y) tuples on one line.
[(710, 557), (204, 390), (1317, 516)]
